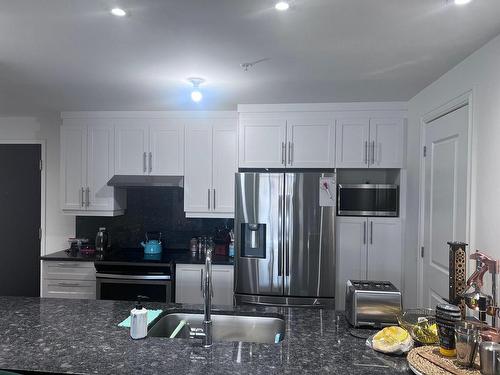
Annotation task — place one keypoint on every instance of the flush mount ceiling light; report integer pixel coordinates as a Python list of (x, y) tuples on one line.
[(462, 2), (196, 95), (118, 12), (282, 6)]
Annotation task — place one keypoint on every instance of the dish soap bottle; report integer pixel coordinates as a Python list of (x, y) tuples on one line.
[(138, 321)]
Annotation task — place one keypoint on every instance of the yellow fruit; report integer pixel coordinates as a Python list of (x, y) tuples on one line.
[(389, 338)]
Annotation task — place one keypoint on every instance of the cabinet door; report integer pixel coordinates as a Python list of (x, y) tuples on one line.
[(262, 143), (222, 278), (310, 143), (384, 250), (224, 165), (73, 164), (198, 167), (100, 166), (68, 289), (352, 143), (131, 147), (188, 278), (386, 143), (351, 254), (166, 154)]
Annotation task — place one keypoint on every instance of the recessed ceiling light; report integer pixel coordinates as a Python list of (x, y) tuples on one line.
[(462, 2), (282, 5), (119, 12)]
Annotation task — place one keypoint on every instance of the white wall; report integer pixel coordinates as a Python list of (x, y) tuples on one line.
[(58, 226), (480, 73)]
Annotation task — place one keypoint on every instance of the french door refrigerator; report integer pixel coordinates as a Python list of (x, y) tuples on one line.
[(285, 238)]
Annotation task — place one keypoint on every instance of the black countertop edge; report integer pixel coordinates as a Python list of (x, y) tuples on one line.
[(177, 256)]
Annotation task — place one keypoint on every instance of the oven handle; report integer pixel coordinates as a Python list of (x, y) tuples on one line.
[(131, 277)]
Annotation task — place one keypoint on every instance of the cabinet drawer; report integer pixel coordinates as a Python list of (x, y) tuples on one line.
[(68, 270), (69, 289)]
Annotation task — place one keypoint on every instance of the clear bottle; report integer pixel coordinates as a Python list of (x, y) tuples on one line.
[(101, 240)]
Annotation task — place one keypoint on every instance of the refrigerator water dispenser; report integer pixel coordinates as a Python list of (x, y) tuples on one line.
[(253, 240)]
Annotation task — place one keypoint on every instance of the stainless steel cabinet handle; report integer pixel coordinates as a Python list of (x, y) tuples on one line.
[(83, 197), (283, 153), (87, 193), (366, 152), (214, 199), (364, 233), (289, 153), (373, 152), (68, 284), (144, 167), (66, 264), (150, 162), (209, 199), (371, 232)]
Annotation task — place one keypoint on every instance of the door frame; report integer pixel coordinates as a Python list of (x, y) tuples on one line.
[(464, 99), (43, 206)]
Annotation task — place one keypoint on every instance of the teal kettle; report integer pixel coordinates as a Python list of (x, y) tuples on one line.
[(152, 246)]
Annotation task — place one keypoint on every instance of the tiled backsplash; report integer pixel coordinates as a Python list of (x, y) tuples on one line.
[(151, 209)]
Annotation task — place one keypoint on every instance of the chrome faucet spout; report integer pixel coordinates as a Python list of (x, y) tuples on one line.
[(205, 333)]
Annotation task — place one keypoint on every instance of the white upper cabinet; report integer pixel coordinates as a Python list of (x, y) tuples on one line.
[(387, 142), (310, 143), (73, 164), (100, 166), (149, 147), (210, 165), (166, 154), (131, 147), (87, 161), (198, 167), (352, 135), (262, 143), (225, 166)]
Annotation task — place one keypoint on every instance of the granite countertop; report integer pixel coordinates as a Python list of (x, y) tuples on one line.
[(177, 256), (82, 337)]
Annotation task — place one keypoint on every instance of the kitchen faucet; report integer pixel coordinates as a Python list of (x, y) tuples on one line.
[(205, 333)]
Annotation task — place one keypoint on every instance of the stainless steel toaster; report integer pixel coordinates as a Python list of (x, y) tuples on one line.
[(372, 303)]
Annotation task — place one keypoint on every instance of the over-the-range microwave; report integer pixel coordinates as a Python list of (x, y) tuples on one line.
[(368, 200)]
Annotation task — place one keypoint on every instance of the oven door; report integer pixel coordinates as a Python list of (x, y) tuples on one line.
[(368, 200), (127, 287)]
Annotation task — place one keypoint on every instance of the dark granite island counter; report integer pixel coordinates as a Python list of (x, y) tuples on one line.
[(82, 337)]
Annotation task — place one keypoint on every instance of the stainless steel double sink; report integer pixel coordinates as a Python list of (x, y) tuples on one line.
[(226, 327)]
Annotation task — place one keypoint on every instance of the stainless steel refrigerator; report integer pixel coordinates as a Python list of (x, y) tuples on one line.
[(285, 238)]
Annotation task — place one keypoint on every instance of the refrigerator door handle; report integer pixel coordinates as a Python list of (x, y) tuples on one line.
[(287, 236), (280, 236)]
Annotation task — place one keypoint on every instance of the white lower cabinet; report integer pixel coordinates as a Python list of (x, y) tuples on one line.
[(64, 279), (367, 249), (188, 280)]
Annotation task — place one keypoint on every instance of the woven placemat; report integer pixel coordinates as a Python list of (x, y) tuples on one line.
[(427, 367)]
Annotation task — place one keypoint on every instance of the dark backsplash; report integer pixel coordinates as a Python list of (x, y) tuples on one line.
[(151, 209)]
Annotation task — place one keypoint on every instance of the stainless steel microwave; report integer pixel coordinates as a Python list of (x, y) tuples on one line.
[(368, 200)]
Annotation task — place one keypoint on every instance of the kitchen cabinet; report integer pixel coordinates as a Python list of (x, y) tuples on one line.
[(369, 143), (367, 249), (149, 147), (63, 279), (210, 165), (188, 284), (86, 166), (297, 141)]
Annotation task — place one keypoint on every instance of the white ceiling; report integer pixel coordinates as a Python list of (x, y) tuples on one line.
[(73, 55)]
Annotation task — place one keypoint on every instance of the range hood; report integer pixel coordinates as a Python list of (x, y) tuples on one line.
[(124, 181)]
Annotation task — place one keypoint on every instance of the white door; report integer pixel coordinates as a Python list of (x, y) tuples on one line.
[(262, 143), (222, 278), (188, 279), (351, 247), (310, 143), (100, 165), (386, 143), (73, 164), (445, 198), (198, 196), (166, 154), (131, 147), (384, 250), (351, 144), (224, 165)]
